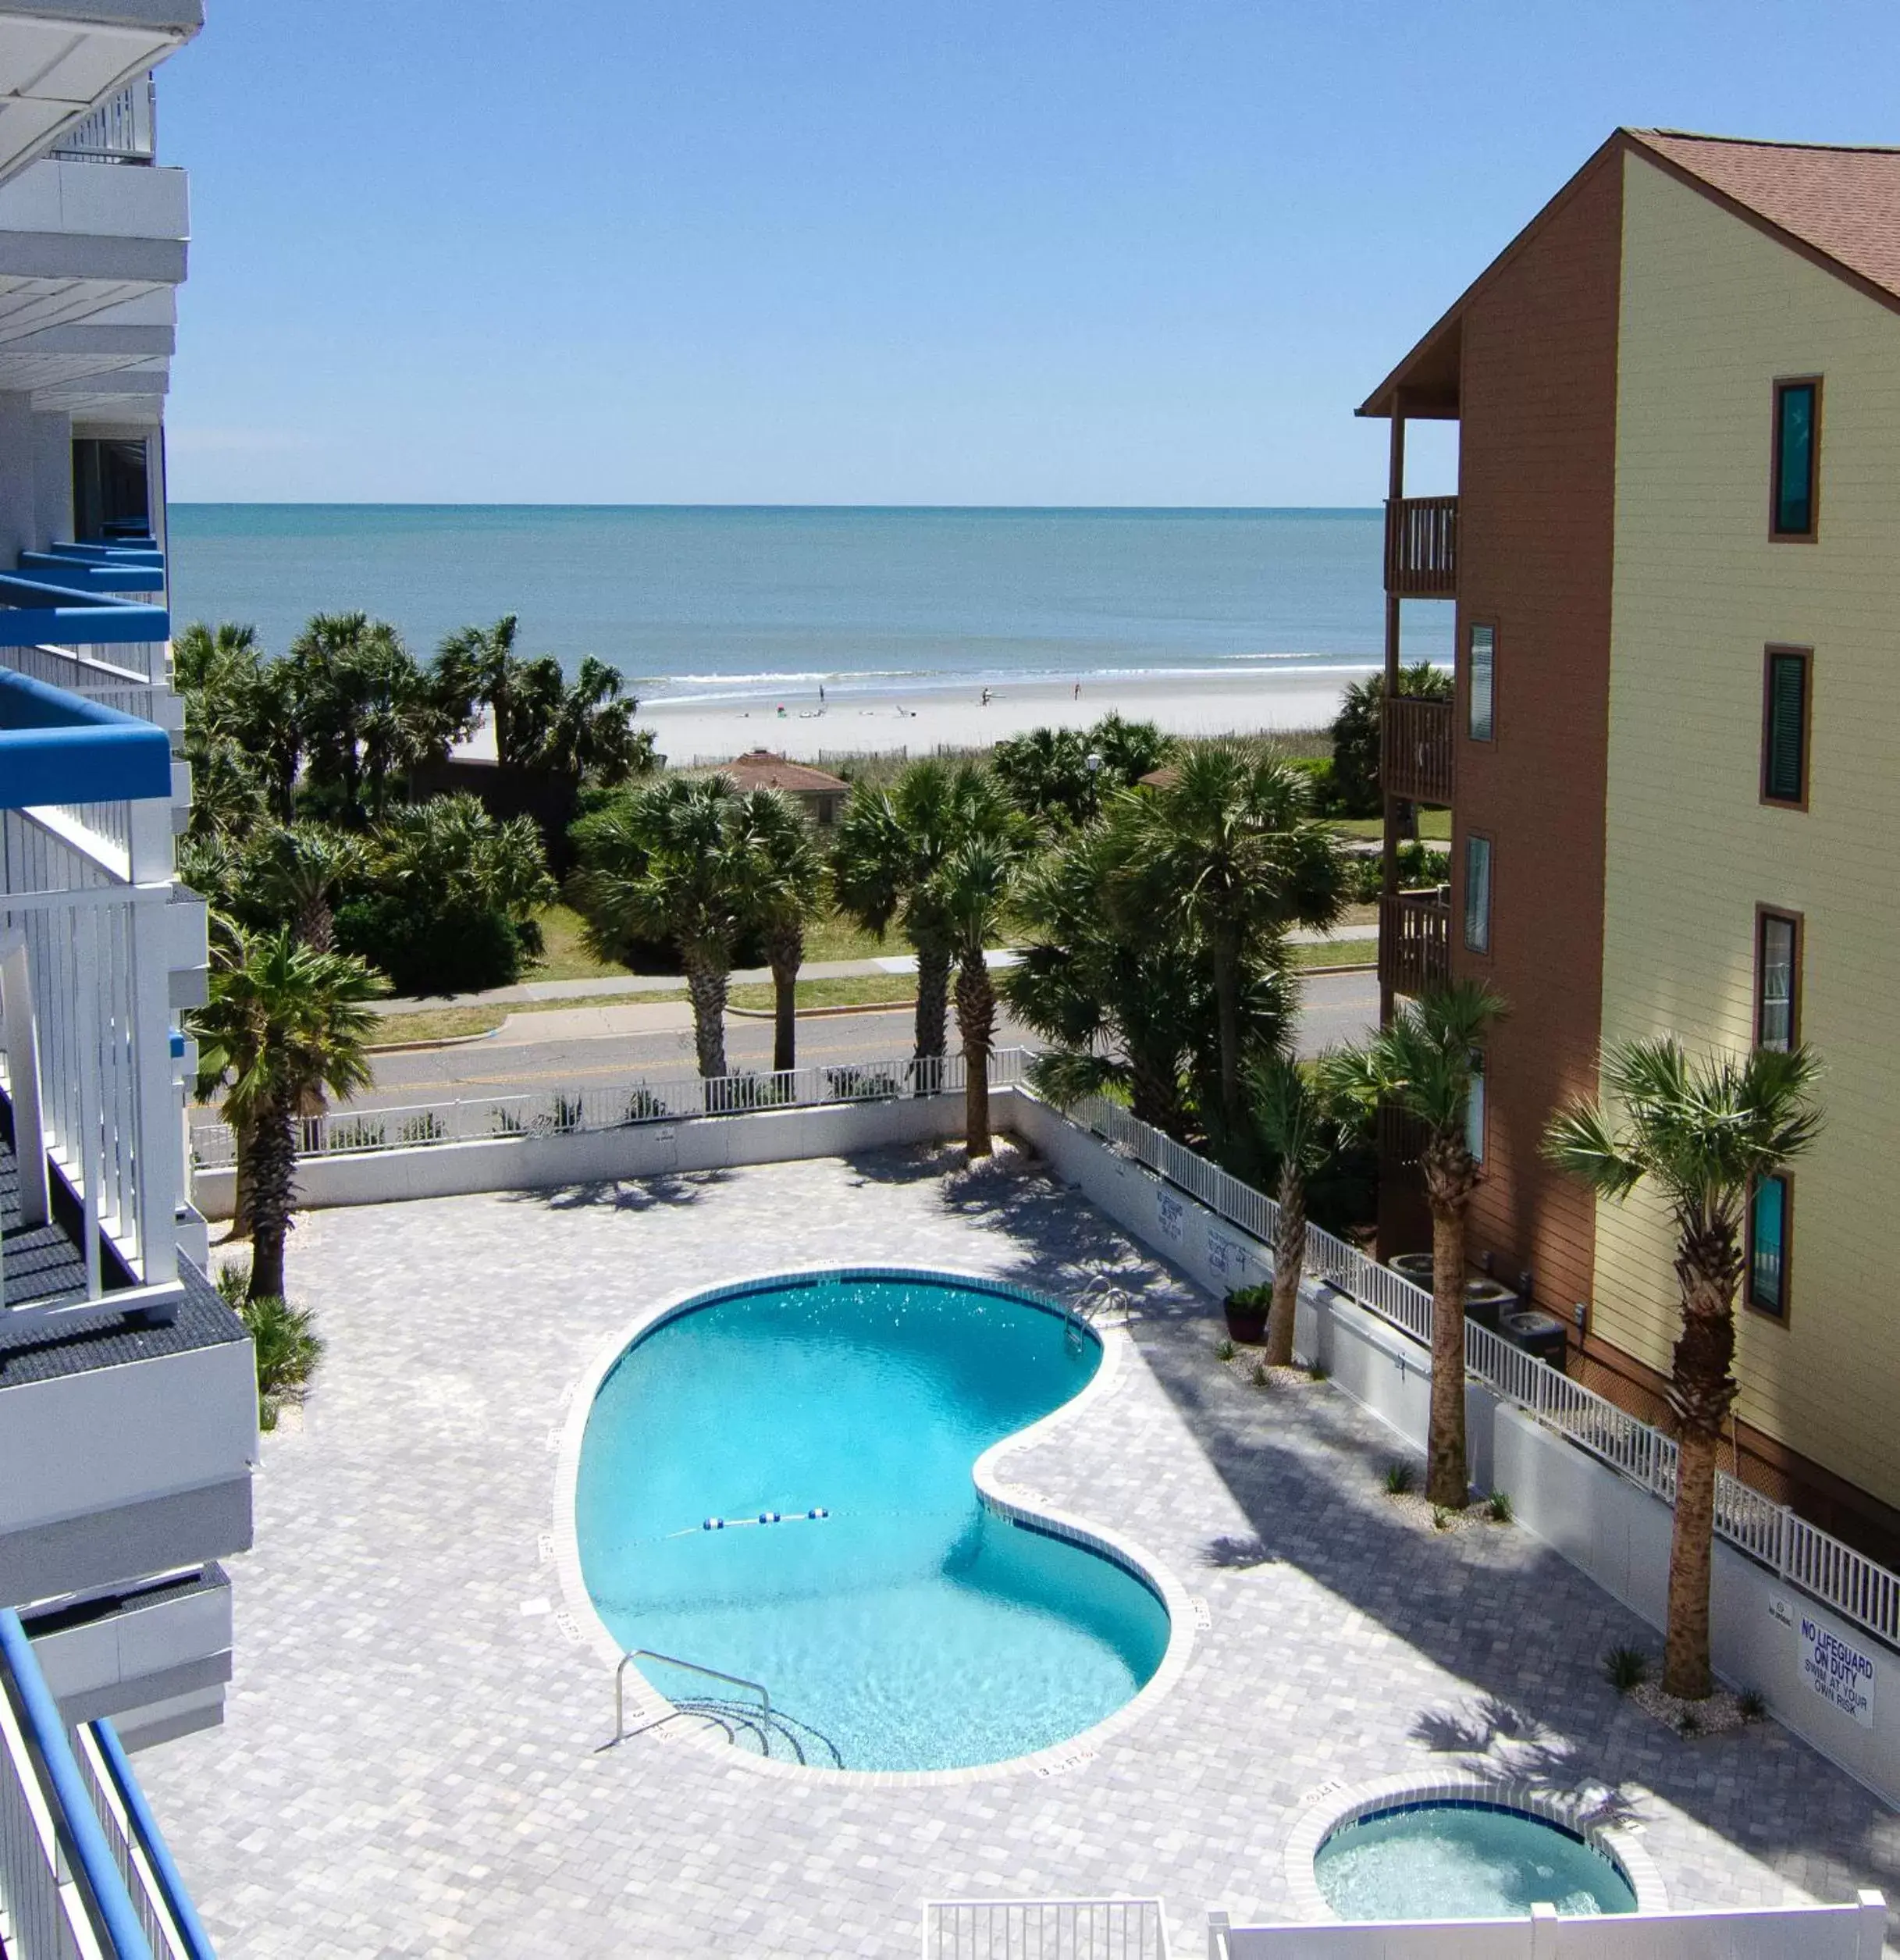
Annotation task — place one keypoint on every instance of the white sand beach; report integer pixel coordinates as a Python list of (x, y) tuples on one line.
[(922, 719)]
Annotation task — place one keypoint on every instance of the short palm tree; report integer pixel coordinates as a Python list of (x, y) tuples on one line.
[(1292, 1114), (790, 880), (889, 845), (675, 860), (297, 870), (1422, 1063), (1229, 854), (970, 891), (285, 1023), (1703, 1134)]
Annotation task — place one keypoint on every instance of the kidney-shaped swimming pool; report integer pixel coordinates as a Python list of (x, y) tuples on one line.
[(776, 1483)]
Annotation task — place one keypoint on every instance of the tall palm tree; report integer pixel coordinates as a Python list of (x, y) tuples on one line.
[(1422, 1063), (675, 860), (1293, 1115), (1704, 1134), (297, 870), (890, 844), (789, 879), (284, 1023), (970, 891), (1228, 853)]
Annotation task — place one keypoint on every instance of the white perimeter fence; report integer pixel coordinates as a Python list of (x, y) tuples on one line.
[(1797, 1552), (1044, 1929), (576, 1112)]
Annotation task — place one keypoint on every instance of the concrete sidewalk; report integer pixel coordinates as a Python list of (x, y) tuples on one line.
[(635, 983)]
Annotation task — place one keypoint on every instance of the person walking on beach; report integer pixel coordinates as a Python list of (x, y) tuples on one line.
[(1077, 695), (821, 694), (985, 701)]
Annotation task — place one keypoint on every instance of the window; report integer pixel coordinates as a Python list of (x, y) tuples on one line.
[(1784, 726), (1797, 458), (1478, 894), (1777, 979), (1484, 649), (1474, 1112), (1771, 1218)]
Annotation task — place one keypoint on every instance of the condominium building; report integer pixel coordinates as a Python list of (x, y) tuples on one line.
[(127, 1400), (1674, 560)]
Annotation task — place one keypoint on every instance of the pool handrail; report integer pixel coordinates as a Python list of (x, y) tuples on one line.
[(673, 1660)]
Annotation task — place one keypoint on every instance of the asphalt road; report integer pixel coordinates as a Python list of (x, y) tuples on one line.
[(1338, 1008)]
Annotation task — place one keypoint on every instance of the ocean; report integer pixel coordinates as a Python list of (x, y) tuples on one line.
[(732, 603)]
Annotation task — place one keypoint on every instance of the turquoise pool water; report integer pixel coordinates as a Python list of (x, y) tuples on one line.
[(907, 1627), (1463, 1861)]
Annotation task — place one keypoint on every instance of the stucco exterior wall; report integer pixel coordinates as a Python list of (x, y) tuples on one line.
[(1714, 311)]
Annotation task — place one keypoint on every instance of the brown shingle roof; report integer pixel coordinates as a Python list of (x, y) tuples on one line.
[(1843, 202), (762, 770)]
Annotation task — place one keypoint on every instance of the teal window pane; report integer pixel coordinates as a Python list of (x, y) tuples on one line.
[(1478, 894), (1794, 459), (1768, 1246)]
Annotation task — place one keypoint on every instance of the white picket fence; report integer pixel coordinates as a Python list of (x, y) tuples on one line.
[(573, 1112), (1044, 1929), (1798, 1551)]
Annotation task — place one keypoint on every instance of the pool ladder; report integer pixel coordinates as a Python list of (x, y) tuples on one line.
[(1101, 1293), (765, 1722), (691, 1667)]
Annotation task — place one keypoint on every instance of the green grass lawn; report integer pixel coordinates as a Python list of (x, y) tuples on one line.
[(1434, 825), (1337, 952), (564, 953)]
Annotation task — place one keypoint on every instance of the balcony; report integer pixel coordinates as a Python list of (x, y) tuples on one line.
[(1414, 940), (1422, 547), (120, 129), (1415, 748)]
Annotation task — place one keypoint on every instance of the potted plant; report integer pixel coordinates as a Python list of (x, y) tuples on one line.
[(1246, 1308)]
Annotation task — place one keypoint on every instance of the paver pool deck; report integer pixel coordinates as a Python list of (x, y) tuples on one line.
[(411, 1760)]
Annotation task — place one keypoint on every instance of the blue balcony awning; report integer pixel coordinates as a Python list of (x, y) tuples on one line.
[(59, 748), (34, 612)]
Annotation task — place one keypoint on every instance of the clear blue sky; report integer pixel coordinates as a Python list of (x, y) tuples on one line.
[(1010, 251)]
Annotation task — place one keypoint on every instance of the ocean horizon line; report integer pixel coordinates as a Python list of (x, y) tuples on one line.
[(852, 509)]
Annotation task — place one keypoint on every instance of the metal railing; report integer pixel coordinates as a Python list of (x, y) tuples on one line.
[(618, 1106), (1044, 1929), (87, 1051), (123, 129), (1798, 1552), (634, 1654), (165, 1913)]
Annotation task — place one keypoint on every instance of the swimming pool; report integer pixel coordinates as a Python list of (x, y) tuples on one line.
[(897, 1621), (1462, 1859)]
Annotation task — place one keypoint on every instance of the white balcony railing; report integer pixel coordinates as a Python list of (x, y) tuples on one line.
[(123, 129)]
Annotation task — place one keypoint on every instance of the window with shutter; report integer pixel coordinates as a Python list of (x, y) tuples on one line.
[(1784, 726), (1484, 654)]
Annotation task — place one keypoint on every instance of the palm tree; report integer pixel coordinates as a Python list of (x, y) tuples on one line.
[(790, 877), (1704, 1134), (284, 1023), (1291, 1111), (296, 871), (1422, 1063), (676, 861), (1228, 854), (1123, 1007), (970, 891), (889, 846)]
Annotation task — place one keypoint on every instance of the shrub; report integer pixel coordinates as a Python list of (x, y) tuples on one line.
[(428, 1128), (287, 1346), (509, 1123), (1317, 1373), (1399, 1479), (644, 1106), (1753, 1704), (1499, 1505), (356, 1133), (849, 1084), (1625, 1668), (1441, 1518), (1260, 1378), (1223, 1350), (460, 948)]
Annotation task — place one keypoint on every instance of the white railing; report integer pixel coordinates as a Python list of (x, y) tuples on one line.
[(1800, 1553), (123, 129), (1044, 1929), (94, 957), (619, 1106)]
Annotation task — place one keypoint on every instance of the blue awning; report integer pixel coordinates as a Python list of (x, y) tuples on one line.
[(59, 748)]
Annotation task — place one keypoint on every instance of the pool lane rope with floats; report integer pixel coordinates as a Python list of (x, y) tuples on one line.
[(817, 1512)]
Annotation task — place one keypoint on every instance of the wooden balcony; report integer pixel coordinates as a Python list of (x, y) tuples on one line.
[(1415, 748), (1422, 547), (1414, 940)]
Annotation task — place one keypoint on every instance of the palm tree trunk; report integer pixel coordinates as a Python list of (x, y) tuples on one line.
[(705, 987), (933, 1002), (240, 1186), (273, 1190), (315, 923), (1288, 1257), (1447, 1483), (1702, 1388), (976, 1019), (785, 951), (1227, 1003), (1155, 1092)]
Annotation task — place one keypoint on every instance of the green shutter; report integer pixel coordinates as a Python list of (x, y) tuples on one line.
[(1787, 734)]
